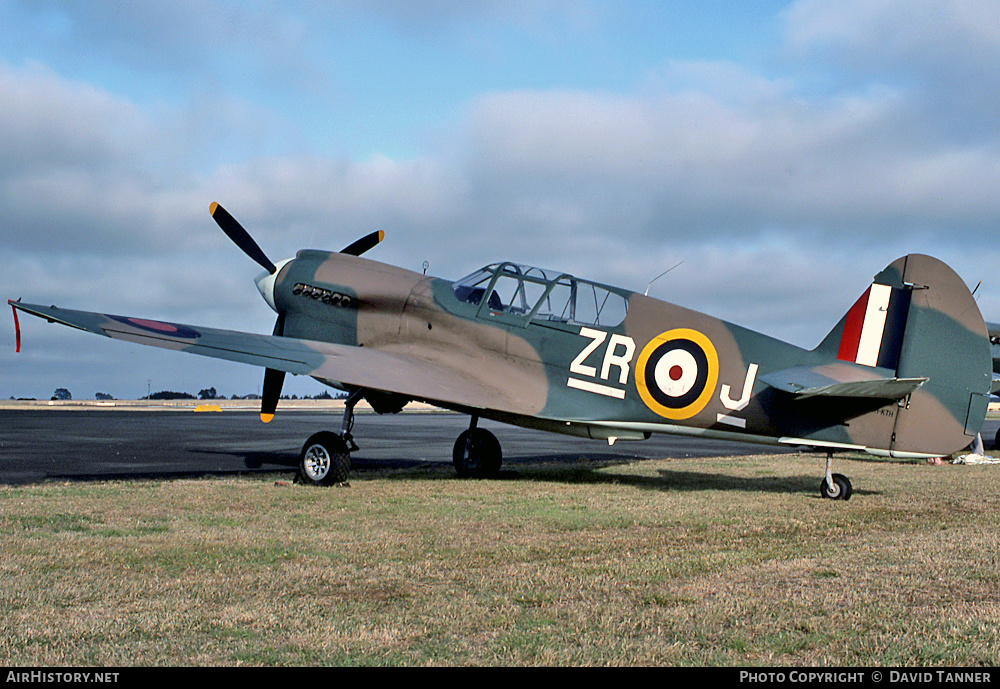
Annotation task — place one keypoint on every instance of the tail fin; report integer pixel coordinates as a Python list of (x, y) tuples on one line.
[(919, 320)]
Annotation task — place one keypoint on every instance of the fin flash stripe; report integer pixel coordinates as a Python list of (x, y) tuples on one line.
[(873, 328)]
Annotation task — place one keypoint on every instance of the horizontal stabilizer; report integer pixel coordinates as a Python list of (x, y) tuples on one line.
[(841, 380)]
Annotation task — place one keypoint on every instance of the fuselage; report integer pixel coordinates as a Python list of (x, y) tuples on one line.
[(577, 357)]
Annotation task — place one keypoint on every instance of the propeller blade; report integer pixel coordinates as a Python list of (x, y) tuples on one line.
[(240, 237), (364, 244), (273, 381)]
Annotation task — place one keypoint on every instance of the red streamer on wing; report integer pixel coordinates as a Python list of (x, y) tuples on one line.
[(17, 331)]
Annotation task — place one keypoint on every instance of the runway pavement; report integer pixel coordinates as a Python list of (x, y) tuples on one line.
[(80, 444)]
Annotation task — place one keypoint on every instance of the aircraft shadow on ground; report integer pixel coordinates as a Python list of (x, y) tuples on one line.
[(687, 481), (571, 468), (574, 468)]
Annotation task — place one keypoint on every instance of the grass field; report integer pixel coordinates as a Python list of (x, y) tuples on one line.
[(725, 561)]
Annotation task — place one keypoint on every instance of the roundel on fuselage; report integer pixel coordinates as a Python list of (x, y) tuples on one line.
[(676, 373)]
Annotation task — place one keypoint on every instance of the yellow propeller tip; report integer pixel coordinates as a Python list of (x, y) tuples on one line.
[(266, 418)]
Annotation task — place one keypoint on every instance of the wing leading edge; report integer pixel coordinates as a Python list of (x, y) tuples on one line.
[(397, 372)]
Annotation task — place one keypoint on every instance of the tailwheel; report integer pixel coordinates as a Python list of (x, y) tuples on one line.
[(839, 489), (325, 460), (477, 454), (834, 486)]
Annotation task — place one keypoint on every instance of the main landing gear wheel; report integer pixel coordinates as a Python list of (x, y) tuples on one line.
[(325, 460), (477, 454), (840, 490)]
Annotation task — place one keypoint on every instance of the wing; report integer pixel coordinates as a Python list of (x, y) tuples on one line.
[(398, 372)]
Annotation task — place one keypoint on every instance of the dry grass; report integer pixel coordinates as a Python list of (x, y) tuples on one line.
[(731, 561)]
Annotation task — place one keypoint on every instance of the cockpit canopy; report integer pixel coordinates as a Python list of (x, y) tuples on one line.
[(541, 295)]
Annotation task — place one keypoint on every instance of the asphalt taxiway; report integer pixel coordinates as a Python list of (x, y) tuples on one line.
[(95, 444)]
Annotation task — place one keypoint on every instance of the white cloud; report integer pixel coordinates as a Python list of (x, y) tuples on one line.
[(924, 32), (49, 122), (946, 53), (685, 161)]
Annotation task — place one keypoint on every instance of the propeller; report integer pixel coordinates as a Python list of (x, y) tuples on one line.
[(273, 378)]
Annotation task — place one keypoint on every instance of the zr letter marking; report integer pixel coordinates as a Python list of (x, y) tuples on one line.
[(618, 353)]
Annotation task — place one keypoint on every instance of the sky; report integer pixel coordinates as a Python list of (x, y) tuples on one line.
[(782, 153)]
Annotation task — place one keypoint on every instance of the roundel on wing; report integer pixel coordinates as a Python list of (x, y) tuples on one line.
[(676, 373), (159, 327)]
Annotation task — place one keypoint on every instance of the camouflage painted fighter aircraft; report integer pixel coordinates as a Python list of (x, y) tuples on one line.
[(905, 373)]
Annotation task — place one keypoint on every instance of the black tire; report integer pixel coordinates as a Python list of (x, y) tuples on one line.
[(324, 460), (477, 454), (841, 489)]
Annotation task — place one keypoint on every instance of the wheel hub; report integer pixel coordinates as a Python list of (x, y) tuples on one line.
[(316, 462)]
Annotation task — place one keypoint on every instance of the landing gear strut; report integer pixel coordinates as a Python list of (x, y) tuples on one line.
[(325, 459), (834, 486), (477, 453)]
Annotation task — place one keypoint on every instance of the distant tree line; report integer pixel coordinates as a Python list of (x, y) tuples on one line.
[(64, 394), (212, 394), (169, 395)]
